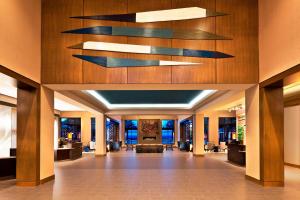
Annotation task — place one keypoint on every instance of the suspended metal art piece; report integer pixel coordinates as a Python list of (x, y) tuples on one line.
[(158, 15), (145, 49), (126, 62), (164, 33)]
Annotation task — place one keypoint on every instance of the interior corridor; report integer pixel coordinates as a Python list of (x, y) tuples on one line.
[(127, 175)]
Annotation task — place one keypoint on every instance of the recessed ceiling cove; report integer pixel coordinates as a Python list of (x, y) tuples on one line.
[(158, 15), (141, 99)]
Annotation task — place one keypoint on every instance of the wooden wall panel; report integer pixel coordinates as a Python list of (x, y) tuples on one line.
[(58, 65), (28, 140), (242, 25), (149, 74), (93, 73), (206, 72), (272, 136)]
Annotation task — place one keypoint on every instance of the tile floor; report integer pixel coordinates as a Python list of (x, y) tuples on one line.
[(171, 175)]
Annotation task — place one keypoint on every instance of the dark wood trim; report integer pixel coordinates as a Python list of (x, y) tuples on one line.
[(272, 183), (22, 80), (3, 103), (27, 183), (45, 180), (198, 155), (279, 77), (249, 178), (292, 165), (100, 155)]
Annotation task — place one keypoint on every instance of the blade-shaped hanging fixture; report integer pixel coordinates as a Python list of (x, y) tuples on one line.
[(158, 15), (126, 62), (164, 33), (145, 49)]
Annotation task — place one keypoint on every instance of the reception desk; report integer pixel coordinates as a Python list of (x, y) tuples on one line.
[(72, 153), (237, 154), (7, 167), (149, 148)]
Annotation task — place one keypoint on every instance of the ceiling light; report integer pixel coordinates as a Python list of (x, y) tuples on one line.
[(64, 106), (201, 96)]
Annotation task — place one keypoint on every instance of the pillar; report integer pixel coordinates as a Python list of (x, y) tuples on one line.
[(35, 141), (252, 132), (100, 136), (28, 137), (213, 128), (272, 136), (198, 135), (265, 135), (175, 132), (46, 137)]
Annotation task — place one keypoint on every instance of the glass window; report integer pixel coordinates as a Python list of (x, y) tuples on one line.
[(71, 128), (131, 131), (167, 131), (206, 125), (227, 129), (93, 129)]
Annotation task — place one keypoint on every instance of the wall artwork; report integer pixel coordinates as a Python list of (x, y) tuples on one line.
[(150, 131)]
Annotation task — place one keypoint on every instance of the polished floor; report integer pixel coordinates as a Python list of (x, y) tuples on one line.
[(171, 175)]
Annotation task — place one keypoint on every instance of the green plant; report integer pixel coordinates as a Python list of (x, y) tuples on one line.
[(241, 133)]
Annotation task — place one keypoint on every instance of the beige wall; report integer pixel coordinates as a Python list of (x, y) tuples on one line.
[(85, 123), (47, 130), (20, 37), (279, 41), (292, 135), (213, 127), (252, 132)]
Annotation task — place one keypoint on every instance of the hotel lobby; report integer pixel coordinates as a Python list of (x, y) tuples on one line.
[(136, 99)]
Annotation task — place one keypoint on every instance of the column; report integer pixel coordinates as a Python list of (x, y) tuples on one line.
[(100, 136), (35, 141), (198, 135), (28, 137), (175, 132), (272, 136), (265, 135), (46, 138), (213, 128), (252, 132)]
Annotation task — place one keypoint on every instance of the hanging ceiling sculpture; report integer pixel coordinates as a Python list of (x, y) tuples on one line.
[(163, 33), (158, 15), (127, 62), (146, 49)]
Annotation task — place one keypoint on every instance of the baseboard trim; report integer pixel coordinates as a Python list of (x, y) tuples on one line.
[(198, 155), (273, 183), (100, 155), (45, 180), (292, 165), (27, 183), (249, 178)]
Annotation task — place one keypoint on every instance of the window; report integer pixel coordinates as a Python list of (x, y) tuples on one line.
[(227, 129), (71, 128), (131, 131), (206, 125), (112, 130), (93, 129), (167, 131)]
